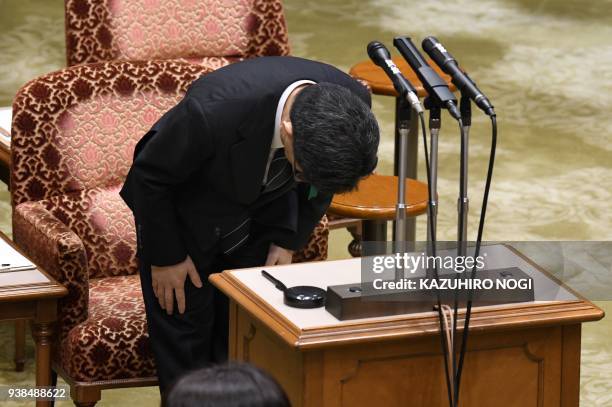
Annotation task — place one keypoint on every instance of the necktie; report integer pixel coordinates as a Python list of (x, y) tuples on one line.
[(279, 173)]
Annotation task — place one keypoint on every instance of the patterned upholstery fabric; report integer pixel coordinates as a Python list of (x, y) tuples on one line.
[(84, 122), (60, 252), (104, 224), (316, 248), (73, 137), (211, 32), (111, 343), (211, 63)]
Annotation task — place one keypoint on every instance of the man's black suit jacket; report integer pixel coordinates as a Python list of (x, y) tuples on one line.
[(201, 166)]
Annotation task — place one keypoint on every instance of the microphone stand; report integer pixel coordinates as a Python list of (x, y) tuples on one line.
[(435, 122), (463, 201), (462, 212), (400, 208)]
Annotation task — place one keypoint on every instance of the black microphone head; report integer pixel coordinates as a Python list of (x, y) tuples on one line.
[(378, 52), (437, 52), (429, 43)]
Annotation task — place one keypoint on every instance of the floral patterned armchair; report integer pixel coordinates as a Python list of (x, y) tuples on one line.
[(210, 33), (74, 133)]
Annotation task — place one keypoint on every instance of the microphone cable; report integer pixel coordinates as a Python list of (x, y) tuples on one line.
[(462, 171), (468, 312), (443, 338)]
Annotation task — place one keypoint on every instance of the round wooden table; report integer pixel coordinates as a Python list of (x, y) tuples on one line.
[(374, 202)]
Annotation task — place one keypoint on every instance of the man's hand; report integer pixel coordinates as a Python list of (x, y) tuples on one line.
[(169, 281), (278, 255)]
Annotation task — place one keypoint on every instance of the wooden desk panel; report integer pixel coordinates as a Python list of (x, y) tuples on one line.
[(524, 367)]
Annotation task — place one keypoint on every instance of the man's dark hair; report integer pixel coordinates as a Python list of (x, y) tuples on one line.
[(227, 385), (335, 137)]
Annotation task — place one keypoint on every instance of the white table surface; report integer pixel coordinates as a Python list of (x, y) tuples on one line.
[(323, 274), (13, 278), (6, 115)]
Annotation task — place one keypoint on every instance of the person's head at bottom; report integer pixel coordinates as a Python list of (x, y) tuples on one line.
[(331, 138), (227, 385)]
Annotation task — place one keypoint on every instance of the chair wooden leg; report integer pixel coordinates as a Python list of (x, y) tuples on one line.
[(85, 396), (354, 246), (20, 328)]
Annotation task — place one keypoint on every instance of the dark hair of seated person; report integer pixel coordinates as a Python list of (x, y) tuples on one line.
[(227, 385)]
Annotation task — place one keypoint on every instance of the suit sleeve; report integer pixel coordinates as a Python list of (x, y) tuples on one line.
[(310, 212), (180, 146)]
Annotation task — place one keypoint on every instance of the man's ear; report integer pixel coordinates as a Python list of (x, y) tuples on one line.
[(287, 129)]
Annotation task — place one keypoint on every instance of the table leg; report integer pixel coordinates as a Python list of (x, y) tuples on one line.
[(5, 174), (404, 112), (43, 333), (374, 231), (20, 328)]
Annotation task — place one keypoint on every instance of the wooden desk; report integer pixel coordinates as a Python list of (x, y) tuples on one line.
[(518, 355), (32, 295), (5, 143)]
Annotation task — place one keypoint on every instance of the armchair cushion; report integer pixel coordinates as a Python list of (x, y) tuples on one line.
[(113, 342)]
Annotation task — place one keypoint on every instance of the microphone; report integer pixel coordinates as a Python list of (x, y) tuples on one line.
[(449, 65), (379, 54), (435, 86)]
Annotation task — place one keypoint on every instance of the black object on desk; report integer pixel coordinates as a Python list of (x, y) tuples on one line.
[(353, 301), (301, 296)]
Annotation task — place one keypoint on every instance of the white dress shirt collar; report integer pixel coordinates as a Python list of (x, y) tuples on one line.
[(276, 139)]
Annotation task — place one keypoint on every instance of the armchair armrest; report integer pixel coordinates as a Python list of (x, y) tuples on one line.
[(60, 252)]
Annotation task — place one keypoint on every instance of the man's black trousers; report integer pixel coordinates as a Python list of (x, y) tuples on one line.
[(183, 342)]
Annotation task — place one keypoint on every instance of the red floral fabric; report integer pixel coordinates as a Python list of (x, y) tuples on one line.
[(60, 252), (204, 30), (76, 128)]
